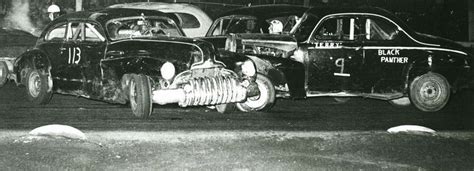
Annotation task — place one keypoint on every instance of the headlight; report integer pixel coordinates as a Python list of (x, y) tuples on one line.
[(248, 68), (167, 71)]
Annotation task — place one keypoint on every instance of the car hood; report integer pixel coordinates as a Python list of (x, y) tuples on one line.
[(175, 50)]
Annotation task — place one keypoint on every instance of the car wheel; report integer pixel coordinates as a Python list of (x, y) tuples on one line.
[(140, 96), (225, 108), (3, 73), (429, 92), (400, 102), (262, 102), (38, 89)]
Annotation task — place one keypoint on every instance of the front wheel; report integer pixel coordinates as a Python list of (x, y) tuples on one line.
[(264, 100), (38, 89), (3, 73), (140, 96), (429, 92)]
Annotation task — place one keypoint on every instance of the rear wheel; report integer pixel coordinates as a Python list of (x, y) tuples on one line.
[(429, 92), (38, 89), (3, 73), (264, 100), (140, 96)]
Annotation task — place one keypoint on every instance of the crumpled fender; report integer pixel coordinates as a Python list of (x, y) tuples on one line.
[(34, 59)]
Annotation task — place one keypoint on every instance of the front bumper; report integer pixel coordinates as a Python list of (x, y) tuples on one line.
[(204, 91)]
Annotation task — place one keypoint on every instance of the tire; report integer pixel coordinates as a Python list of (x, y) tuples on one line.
[(262, 102), (3, 73), (38, 89), (225, 108), (400, 102), (140, 96), (429, 92)]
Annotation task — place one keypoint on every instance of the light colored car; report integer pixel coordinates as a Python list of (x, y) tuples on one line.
[(193, 20)]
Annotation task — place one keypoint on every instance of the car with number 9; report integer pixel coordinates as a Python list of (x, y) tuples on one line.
[(347, 52)]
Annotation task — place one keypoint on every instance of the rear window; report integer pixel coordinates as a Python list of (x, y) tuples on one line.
[(188, 20)]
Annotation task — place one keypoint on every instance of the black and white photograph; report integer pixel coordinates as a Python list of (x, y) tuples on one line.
[(237, 85)]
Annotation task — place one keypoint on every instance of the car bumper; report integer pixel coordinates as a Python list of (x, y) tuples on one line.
[(204, 91)]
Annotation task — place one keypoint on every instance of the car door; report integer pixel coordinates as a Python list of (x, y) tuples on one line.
[(334, 51), (92, 43), (69, 75), (386, 57)]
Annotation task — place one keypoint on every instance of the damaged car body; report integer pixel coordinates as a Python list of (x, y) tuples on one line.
[(130, 56), (368, 52), (250, 31)]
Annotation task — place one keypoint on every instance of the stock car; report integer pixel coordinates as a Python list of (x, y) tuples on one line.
[(131, 56), (350, 52)]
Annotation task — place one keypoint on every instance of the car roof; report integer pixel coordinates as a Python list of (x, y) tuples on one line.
[(105, 15), (161, 6), (328, 10), (267, 11)]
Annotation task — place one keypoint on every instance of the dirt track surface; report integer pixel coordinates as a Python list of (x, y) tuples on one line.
[(296, 135)]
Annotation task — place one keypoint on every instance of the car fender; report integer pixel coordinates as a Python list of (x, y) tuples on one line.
[(449, 65), (282, 72), (33, 59)]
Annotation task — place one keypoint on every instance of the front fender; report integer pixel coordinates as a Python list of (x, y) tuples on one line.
[(282, 72)]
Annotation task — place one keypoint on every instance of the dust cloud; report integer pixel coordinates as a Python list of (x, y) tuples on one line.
[(18, 17)]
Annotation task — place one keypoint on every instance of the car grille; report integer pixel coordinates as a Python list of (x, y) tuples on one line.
[(213, 90)]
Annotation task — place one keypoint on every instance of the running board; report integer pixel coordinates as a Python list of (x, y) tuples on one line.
[(387, 96)]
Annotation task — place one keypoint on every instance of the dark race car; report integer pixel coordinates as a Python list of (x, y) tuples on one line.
[(247, 30), (360, 51), (129, 55)]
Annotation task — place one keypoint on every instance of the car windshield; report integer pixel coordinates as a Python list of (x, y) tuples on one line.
[(142, 26), (302, 29), (251, 24)]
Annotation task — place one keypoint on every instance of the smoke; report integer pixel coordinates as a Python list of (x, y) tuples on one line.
[(18, 17)]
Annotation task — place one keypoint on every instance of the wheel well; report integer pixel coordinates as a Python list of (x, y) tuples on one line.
[(29, 61), (418, 71)]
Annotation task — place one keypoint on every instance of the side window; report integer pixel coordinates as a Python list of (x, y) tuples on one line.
[(92, 34), (188, 21), (380, 29), (220, 28), (57, 33), (341, 28), (74, 31)]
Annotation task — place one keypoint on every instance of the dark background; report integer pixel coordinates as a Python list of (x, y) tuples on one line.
[(446, 18)]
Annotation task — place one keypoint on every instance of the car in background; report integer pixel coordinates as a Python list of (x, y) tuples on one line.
[(360, 52), (14, 43), (131, 56), (192, 19)]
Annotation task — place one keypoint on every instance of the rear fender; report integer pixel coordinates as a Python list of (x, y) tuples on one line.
[(451, 67), (34, 59)]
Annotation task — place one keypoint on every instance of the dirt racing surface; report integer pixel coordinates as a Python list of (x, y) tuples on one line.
[(312, 134)]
